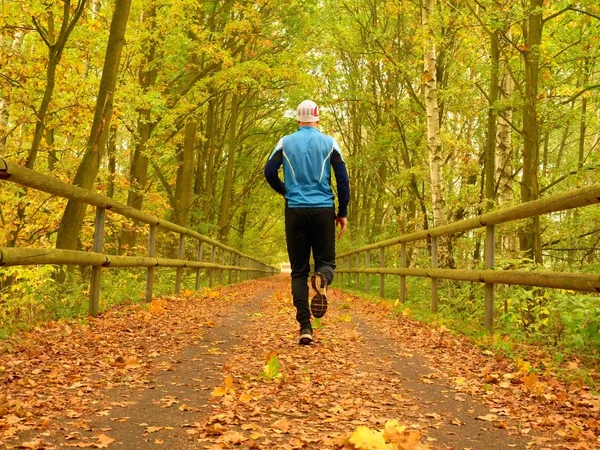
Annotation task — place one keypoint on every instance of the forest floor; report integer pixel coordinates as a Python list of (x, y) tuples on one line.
[(222, 369)]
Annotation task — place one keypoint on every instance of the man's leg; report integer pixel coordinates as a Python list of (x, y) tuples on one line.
[(323, 241), (297, 234)]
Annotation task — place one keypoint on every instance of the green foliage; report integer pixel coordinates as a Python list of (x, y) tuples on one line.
[(271, 368), (31, 295)]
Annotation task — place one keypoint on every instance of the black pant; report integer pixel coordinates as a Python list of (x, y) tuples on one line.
[(309, 229)]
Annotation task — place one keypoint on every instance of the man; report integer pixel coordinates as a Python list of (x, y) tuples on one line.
[(310, 220)]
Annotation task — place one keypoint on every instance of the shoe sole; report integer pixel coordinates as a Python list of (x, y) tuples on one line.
[(318, 304), (306, 339)]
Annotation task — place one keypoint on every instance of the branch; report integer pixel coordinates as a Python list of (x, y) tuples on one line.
[(586, 13), (567, 48), (575, 96), (41, 31), (565, 176), (556, 14), (165, 184), (487, 97)]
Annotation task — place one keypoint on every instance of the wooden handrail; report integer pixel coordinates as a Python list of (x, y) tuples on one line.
[(560, 280), (26, 177), (13, 256), (238, 262), (560, 202)]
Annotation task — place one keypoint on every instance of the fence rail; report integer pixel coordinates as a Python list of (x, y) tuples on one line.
[(561, 280), (243, 266)]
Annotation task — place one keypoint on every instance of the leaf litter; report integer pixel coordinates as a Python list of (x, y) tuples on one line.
[(274, 393)]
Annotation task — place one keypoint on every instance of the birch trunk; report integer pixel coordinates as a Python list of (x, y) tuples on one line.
[(5, 99), (504, 144), (434, 143)]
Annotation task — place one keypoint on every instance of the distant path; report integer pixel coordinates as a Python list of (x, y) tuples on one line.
[(141, 378)]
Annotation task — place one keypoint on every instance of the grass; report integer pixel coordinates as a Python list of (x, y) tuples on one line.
[(562, 331), (37, 298)]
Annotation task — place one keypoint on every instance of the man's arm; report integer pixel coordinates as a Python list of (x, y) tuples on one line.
[(343, 183), (272, 172)]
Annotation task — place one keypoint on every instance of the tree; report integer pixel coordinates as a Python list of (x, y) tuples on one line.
[(72, 219)]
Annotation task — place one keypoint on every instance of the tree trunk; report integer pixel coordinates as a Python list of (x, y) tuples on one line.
[(529, 237), (55, 50), (490, 147), (185, 176), (72, 219), (5, 99), (112, 161), (227, 184), (138, 169), (503, 166), (434, 143), (242, 228)]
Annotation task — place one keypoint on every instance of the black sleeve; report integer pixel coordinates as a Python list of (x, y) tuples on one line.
[(343, 184), (272, 172)]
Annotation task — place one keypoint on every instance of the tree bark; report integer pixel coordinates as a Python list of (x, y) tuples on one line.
[(5, 101), (138, 169), (529, 237), (112, 161), (55, 50), (227, 184), (490, 148), (72, 219), (185, 176), (434, 143)]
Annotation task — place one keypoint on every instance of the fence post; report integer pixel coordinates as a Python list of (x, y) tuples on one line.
[(221, 270), (211, 277), (381, 275), (367, 275), (490, 254), (179, 269), (151, 253), (198, 269), (434, 281), (403, 277), (230, 263), (98, 245), (349, 266), (357, 259), (238, 272)]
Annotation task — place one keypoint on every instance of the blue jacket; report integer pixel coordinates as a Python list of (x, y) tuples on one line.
[(307, 157)]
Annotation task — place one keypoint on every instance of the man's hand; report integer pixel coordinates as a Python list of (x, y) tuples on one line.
[(341, 221)]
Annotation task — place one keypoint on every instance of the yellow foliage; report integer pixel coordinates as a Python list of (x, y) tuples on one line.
[(394, 436), (523, 366), (156, 307), (392, 431), (227, 388), (366, 439)]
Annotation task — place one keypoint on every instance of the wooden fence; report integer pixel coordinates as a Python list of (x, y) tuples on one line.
[(560, 280), (239, 265)]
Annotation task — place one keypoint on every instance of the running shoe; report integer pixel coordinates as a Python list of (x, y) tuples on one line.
[(318, 304), (306, 337)]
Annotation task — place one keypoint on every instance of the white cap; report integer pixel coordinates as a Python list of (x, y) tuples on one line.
[(308, 111)]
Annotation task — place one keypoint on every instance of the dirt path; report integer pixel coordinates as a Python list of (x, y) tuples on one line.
[(224, 370)]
